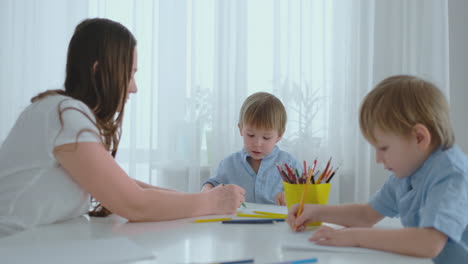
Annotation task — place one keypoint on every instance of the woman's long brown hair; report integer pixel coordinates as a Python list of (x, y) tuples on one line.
[(98, 72)]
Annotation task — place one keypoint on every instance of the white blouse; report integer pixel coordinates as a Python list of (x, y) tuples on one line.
[(34, 188)]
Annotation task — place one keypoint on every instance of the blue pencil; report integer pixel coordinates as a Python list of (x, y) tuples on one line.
[(254, 221), (236, 261), (302, 261)]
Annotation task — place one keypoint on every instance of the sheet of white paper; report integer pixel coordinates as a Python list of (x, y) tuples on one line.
[(112, 250), (250, 208), (300, 241)]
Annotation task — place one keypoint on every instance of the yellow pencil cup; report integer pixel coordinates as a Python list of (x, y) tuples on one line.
[(316, 194)]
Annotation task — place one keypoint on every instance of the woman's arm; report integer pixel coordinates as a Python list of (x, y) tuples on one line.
[(149, 186), (96, 171), (207, 187), (418, 242)]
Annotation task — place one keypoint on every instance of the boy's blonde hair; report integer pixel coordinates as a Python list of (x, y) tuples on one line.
[(400, 102), (263, 110)]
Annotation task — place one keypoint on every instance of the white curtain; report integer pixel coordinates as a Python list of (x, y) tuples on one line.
[(199, 59), (34, 37)]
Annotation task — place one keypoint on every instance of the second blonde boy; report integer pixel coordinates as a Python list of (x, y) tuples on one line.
[(262, 123)]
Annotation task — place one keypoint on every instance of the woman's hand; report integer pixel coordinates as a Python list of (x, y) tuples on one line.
[(227, 198), (207, 187)]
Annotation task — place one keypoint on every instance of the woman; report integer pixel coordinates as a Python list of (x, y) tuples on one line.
[(61, 149)]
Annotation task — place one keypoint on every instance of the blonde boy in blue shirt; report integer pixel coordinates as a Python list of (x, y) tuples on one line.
[(262, 122), (407, 120)]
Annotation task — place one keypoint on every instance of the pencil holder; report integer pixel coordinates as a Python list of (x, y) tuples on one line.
[(316, 194)]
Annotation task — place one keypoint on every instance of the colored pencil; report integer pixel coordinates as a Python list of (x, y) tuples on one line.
[(269, 213), (242, 261), (302, 261), (291, 173), (324, 171), (253, 221), (211, 220), (331, 176), (237, 261), (262, 215)]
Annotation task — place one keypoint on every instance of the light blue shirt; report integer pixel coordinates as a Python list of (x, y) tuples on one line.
[(261, 187), (435, 195)]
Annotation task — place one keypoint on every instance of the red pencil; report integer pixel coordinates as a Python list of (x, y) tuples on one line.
[(291, 173)]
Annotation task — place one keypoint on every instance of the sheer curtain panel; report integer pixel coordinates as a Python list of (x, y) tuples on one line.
[(199, 60)]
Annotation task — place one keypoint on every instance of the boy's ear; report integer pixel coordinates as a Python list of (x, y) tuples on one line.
[(240, 129), (279, 138), (422, 135)]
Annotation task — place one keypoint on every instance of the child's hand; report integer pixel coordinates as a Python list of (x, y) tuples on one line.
[(309, 214), (279, 199), (328, 236)]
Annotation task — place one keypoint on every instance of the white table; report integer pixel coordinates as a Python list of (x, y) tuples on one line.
[(182, 241)]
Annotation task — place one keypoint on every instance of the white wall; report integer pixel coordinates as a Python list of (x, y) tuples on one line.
[(458, 22)]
